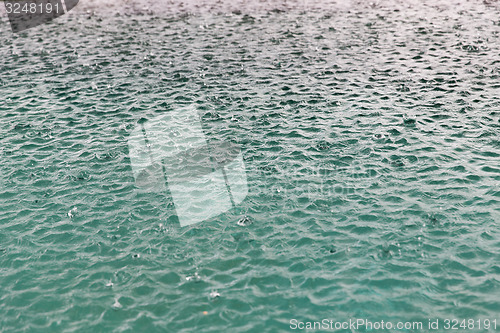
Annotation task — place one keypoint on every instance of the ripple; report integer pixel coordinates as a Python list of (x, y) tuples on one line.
[(370, 151)]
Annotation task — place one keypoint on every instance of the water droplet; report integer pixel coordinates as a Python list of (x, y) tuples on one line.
[(244, 221), (117, 304), (72, 212), (195, 277)]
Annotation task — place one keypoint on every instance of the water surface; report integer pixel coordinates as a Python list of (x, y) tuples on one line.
[(370, 134)]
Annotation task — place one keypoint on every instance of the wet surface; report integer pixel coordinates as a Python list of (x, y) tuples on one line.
[(370, 135)]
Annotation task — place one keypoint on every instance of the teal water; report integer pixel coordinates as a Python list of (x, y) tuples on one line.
[(370, 136)]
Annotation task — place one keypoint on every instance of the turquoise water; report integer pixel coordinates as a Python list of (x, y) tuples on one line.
[(370, 136)]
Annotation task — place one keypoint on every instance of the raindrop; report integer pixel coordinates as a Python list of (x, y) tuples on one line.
[(214, 294), (117, 304), (244, 221), (72, 212)]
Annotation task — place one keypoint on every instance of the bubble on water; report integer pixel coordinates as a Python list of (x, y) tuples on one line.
[(117, 304), (162, 228), (244, 221), (72, 212), (214, 294), (195, 277)]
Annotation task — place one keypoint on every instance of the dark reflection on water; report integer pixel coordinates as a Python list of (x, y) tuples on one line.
[(370, 134)]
